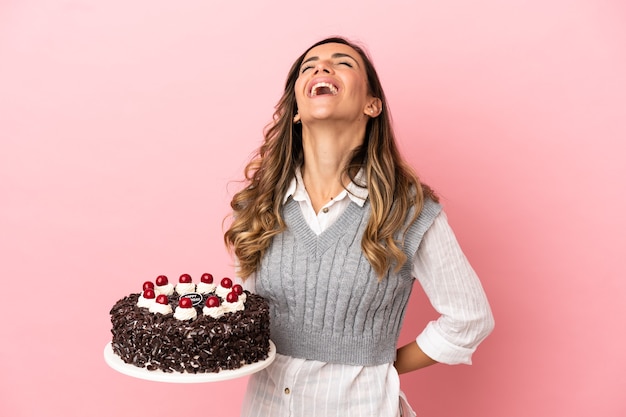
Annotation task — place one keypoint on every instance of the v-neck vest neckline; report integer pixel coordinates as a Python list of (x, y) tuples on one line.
[(317, 244)]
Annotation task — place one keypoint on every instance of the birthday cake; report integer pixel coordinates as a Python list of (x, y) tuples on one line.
[(191, 328)]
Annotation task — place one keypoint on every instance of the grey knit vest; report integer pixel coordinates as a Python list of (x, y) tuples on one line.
[(326, 302)]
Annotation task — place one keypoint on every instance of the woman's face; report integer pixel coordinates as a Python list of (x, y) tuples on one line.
[(332, 85)]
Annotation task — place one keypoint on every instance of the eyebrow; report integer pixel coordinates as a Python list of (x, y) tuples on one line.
[(334, 56)]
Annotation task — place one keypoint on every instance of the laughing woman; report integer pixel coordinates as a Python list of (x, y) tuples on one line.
[(333, 228)]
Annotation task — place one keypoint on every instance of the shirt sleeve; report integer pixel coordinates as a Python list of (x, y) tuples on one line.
[(455, 292)]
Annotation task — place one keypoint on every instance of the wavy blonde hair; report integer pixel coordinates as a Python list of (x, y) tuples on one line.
[(394, 189)]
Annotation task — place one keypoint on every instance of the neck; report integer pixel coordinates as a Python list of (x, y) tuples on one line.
[(326, 153), (322, 185)]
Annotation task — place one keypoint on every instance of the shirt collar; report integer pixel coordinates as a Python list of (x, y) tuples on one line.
[(357, 194)]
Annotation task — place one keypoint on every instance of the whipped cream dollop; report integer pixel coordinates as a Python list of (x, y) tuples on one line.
[(222, 292), (167, 289), (185, 287), (188, 313), (145, 302), (232, 307), (215, 312), (205, 288), (160, 308)]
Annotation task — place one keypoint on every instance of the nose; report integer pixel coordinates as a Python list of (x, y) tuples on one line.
[(323, 66)]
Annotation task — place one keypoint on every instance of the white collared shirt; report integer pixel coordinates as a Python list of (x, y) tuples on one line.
[(318, 222), (299, 387)]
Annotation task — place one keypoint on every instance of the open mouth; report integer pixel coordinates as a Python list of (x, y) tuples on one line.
[(323, 88)]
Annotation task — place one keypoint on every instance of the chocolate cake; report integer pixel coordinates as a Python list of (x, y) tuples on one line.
[(158, 331)]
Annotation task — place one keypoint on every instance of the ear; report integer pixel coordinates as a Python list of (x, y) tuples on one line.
[(374, 107), (296, 118)]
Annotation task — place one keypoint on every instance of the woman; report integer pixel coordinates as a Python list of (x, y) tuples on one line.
[(332, 228)]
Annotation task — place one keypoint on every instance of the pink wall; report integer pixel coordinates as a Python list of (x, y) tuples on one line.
[(123, 122)]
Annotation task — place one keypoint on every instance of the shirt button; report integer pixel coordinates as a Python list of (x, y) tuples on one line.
[(287, 391), (325, 209)]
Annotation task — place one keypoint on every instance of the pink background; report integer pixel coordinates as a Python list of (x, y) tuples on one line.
[(124, 123)]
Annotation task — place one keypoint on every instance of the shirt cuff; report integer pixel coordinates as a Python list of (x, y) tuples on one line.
[(435, 345)]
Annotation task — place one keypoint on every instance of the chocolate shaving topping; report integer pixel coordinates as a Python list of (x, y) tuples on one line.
[(157, 341)]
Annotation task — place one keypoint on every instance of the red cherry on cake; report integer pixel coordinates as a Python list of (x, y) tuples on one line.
[(185, 302), (161, 280), (148, 293), (238, 289), (162, 299), (232, 297), (207, 278), (185, 279), (213, 301), (148, 285), (227, 282)]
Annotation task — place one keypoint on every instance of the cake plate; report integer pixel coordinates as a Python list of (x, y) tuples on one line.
[(119, 365)]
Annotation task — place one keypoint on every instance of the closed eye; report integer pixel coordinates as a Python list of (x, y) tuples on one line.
[(348, 61)]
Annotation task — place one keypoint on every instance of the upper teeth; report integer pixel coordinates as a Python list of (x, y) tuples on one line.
[(331, 87)]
